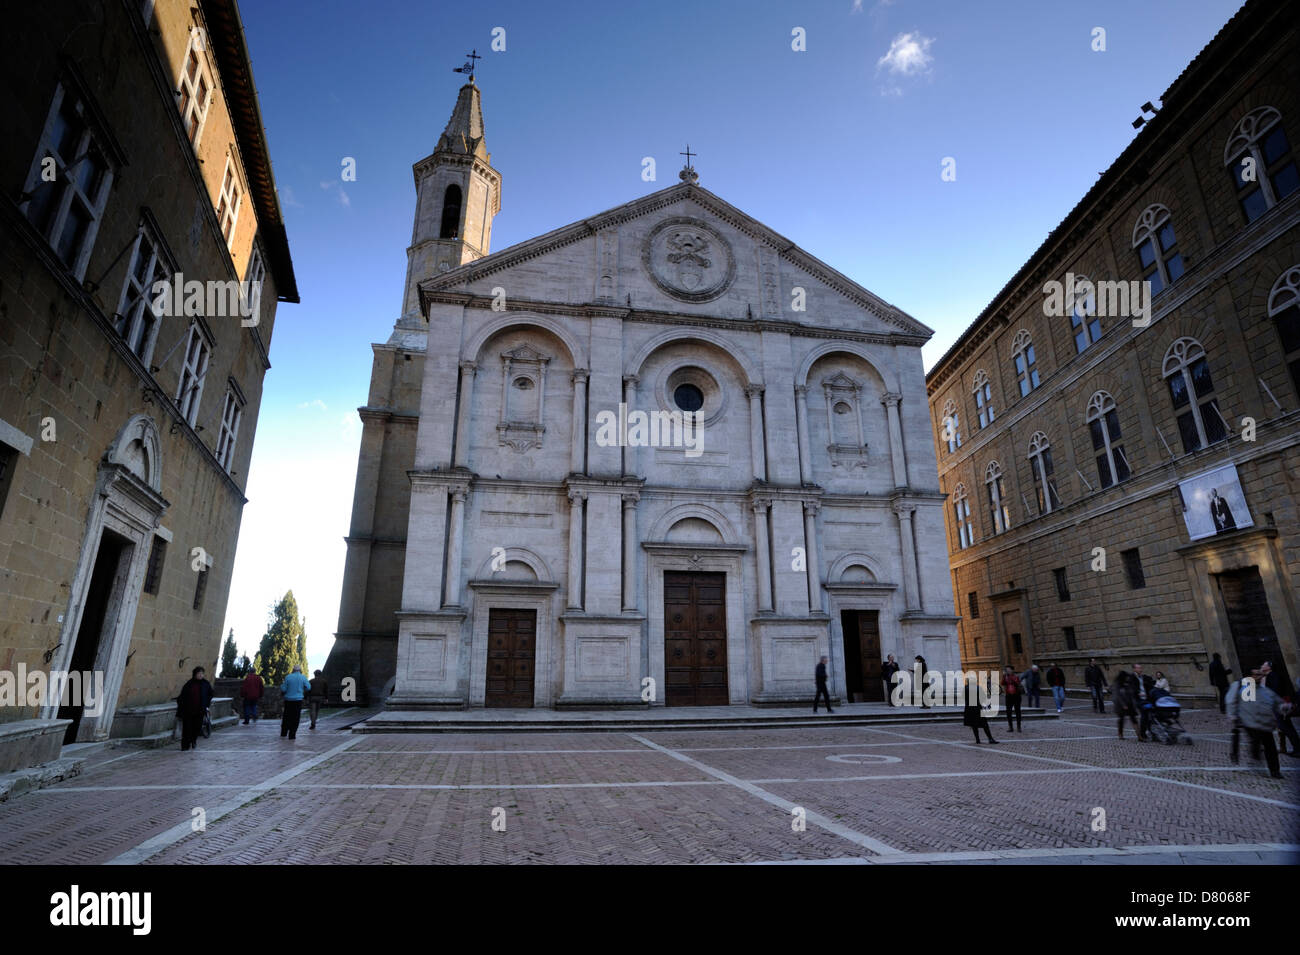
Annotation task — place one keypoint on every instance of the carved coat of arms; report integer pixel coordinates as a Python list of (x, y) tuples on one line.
[(688, 260)]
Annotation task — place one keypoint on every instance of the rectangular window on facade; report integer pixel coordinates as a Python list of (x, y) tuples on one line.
[(252, 287), (200, 587), (1017, 645), (1070, 643), (1133, 569), (194, 88), (69, 181), (193, 372), (8, 462), (135, 319), (972, 602), (965, 531), (228, 202), (230, 415), (153, 572), (1062, 587)]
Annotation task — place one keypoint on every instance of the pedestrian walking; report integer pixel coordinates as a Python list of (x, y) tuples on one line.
[(1056, 680), (191, 703), (973, 714), (1259, 713), (294, 688), (1126, 703), (919, 668), (1014, 693), (1095, 678), (1230, 695), (1277, 681), (319, 691), (1219, 680), (1032, 681), (251, 691), (887, 671), (1145, 687), (820, 676)]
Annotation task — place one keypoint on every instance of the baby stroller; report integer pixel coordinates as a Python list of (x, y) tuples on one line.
[(1162, 719)]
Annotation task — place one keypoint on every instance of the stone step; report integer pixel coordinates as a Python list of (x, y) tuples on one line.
[(546, 721), (31, 778)]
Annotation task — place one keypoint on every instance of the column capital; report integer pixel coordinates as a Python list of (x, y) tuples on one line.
[(890, 399), (903, 509), (459, 494), (753, 391), (811, 507), (801, 391), (577, 495), (760, 504), (581, 374), (630, 498), (631, 379), (468, 365)]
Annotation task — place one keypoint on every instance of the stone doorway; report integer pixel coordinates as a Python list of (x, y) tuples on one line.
[(695, 639), (1246, 605), (511, 658), (104, 599), (862, 663)]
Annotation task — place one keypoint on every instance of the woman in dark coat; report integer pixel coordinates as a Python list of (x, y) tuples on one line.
[(1126, 702), (973, 716), (191, 704)]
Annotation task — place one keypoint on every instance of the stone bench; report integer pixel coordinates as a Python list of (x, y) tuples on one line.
[(25, 743), (133, 722)]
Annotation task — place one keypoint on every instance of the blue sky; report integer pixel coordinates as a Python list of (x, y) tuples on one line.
[(838, 147)]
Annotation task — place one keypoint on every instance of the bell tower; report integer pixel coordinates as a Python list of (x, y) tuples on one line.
[(458, 193)]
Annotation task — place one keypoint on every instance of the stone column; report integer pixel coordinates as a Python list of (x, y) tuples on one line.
[(911, 588), (467, 373), (897, 455), (810, 546), (629, 550), (576, 500), (755, 395), (763, 552), (578, 458), (455, 536), (801, 424), (631, 456)]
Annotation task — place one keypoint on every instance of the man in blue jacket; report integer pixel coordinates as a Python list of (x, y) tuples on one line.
[(295, 687)]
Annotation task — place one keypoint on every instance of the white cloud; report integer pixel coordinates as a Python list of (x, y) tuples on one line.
[(315, 403), (909, 55), (329, 186)]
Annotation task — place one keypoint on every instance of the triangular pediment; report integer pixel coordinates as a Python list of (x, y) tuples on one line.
[(683, 253)]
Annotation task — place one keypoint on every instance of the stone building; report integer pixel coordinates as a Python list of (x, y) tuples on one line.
[(1085, 449), (514, 543), (134, 152)]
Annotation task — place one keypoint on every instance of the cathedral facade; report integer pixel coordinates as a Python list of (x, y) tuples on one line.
[(658, 455)]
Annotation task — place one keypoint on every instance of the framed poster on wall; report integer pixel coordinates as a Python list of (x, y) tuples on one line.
[(1213, 503)]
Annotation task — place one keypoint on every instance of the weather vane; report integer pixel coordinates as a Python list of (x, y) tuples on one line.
[(470, 62)]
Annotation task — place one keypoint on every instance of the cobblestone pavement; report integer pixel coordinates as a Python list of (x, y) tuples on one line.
[(895, 794)]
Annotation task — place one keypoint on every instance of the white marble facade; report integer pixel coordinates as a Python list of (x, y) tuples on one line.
[(814, 488)]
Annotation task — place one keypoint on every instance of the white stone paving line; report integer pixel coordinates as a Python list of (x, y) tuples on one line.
[(1099, 852), (817, 819), (176, 833), (1136, 774)]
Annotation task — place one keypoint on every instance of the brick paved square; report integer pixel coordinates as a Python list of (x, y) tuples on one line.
[(893, 793)]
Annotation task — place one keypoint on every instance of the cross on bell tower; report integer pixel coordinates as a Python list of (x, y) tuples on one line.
[(471, 61)]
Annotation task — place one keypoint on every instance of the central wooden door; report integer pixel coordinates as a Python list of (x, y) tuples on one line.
[(695, 639), (863, 668), (511, 658)]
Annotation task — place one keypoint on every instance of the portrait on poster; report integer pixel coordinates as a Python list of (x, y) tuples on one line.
[(1213, 503)]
